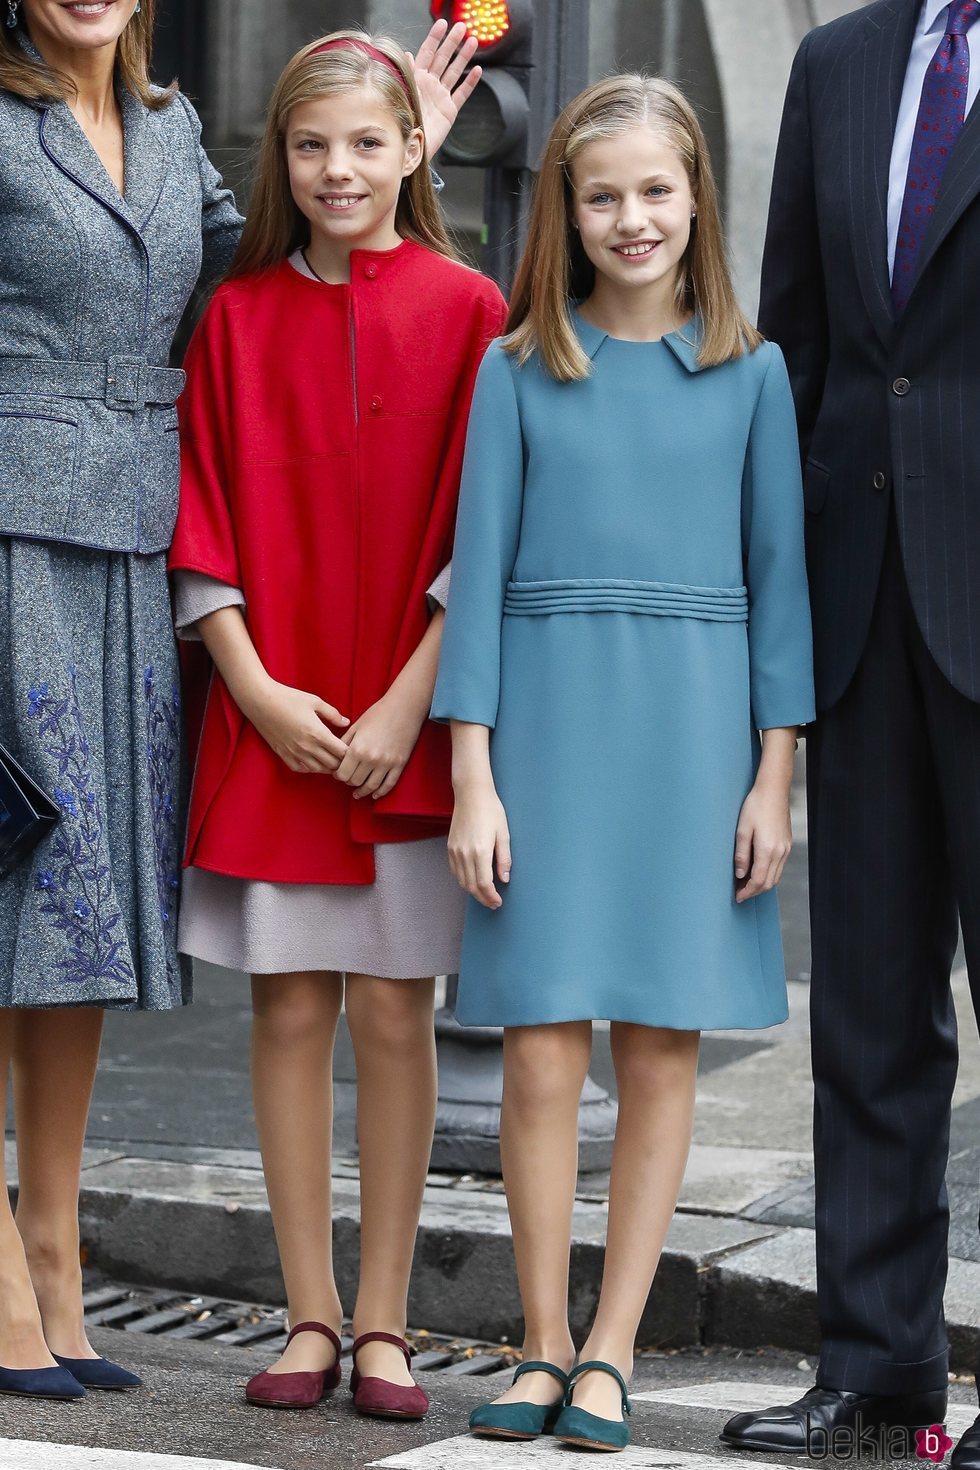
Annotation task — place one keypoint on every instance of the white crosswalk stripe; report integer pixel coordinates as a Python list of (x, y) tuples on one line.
[(22, 1454), (467, 1453), (736, 1397)]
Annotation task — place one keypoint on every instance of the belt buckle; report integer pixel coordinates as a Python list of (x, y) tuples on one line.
[(125, 384)]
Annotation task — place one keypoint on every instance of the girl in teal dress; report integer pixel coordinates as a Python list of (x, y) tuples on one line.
[(625, 662)]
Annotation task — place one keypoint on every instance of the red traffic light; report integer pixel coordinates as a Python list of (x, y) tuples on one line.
[(493, 127), (498, 25)]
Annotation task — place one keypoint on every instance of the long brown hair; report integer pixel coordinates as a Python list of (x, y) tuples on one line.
[(275, 226), (34, 80), (555, 269)]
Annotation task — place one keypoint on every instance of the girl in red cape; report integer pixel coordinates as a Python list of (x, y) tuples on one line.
[(323, 427)]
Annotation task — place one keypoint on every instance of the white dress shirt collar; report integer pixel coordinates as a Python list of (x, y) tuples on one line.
[(933, 16)]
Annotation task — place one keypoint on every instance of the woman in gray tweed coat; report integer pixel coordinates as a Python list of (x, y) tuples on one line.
[(110, 216)]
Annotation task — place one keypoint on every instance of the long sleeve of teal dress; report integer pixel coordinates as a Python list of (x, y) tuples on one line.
[(780, 653), (487, 536)]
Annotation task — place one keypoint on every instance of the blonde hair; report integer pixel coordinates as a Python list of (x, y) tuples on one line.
[(275, 226), (34, 80), (555, 269)]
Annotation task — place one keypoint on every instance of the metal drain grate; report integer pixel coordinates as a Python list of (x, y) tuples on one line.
[(162, 1313)]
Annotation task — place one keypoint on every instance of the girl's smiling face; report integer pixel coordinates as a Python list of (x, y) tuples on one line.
[(347, 159), (632, 205)]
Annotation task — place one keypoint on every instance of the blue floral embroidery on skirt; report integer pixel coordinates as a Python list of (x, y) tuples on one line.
[(76, 888), (162, 756)]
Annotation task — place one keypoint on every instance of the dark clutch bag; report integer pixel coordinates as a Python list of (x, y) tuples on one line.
[(27, 814)]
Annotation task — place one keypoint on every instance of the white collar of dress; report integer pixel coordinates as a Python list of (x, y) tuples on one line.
[(931, 11)]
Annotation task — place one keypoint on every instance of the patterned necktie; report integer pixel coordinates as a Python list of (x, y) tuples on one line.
[(942, 110)]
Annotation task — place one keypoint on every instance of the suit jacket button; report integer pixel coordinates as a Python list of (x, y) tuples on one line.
[(879, 481), (901, 386), (370, 271), (375, 404)]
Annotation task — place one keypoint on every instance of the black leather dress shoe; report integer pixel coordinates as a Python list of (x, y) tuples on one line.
[(966, 1455), (831, 1422)]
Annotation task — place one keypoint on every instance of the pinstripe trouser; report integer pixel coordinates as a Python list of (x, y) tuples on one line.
[(894, 849)]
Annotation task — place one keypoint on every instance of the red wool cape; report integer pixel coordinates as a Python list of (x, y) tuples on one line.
[(322, 436)]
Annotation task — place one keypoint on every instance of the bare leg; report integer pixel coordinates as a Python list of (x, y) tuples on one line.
[(22, 1342), (391, 1026), (294, 1027), (656, 1072), (55, 1055), (544, 1071)]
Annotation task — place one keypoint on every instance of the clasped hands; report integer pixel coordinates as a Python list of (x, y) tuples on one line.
[(368, 755)]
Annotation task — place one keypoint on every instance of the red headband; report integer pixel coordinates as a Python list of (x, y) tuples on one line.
[(365, 46)]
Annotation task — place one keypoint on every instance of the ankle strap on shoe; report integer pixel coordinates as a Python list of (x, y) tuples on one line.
[(594, 1366), (321, 1327), (532, 1366), (398, 1342)]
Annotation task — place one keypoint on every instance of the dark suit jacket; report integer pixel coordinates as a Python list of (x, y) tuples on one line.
[(885, 409)]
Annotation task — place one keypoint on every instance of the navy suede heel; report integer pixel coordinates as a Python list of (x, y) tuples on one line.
[(41, 1383), (100, 1373)]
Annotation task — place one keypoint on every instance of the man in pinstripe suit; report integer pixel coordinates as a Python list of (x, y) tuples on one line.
[(871, 285)]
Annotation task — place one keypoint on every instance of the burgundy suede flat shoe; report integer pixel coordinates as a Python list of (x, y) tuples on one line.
[(378, 1397), (296, 1390)]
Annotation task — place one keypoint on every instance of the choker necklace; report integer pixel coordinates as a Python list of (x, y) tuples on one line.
[(312, 272)]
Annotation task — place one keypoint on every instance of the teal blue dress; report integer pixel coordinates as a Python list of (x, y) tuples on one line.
[(628, 609)]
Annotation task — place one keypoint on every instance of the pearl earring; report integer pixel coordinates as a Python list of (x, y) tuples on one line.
[(12, 6)]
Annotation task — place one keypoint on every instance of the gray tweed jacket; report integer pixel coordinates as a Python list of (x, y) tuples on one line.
[(92, 289)]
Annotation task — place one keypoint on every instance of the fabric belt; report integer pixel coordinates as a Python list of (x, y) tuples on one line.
[(612, 594), (121, 382)]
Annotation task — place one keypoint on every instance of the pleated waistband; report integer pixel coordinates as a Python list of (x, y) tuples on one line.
[(614, 594)]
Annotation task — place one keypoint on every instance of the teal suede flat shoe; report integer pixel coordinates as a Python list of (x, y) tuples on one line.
[(520, 1420), (577, 1426)]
